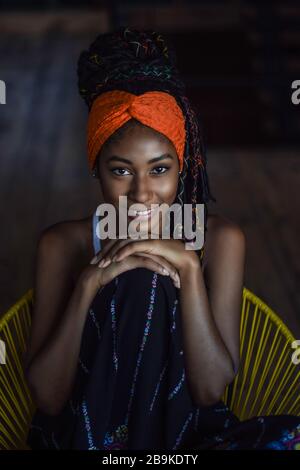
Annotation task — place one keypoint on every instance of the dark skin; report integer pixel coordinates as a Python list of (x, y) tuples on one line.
[(152, 179), (67, 278)]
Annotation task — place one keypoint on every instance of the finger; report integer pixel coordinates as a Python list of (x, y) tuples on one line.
[(161, 260), (146, 262), (105, 250), (114, 247), (167, 267), (157, 267), (148, 246), (162, 269), (132, 262), (136, 262), (110, 253)]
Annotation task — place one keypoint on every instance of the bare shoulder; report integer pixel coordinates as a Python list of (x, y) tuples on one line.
[(223, 236), (59, 240), (68, 243), (219, 226), (66, 233), (60, 257)]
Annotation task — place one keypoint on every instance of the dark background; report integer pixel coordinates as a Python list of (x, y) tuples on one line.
[(238, 58)]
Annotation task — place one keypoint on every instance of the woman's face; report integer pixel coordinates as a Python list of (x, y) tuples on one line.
[(143, 165)]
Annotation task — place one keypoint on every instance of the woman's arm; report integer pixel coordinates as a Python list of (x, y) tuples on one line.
[(52, 372), (211, 321), (60, 311)]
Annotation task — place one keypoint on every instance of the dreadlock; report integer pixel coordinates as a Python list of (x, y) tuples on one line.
[(138, 61)]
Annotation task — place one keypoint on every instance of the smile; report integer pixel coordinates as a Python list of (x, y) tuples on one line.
[(141, 214)]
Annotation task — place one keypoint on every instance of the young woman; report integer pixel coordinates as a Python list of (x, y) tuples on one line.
[(134, 341)]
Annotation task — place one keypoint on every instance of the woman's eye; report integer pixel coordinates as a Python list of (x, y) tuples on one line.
[(121, 170), (161, 168)]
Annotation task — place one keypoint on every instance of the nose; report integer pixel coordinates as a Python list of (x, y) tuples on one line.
[(141, 190)]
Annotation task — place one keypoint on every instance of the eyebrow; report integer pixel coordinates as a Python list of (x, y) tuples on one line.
[(115, 158)]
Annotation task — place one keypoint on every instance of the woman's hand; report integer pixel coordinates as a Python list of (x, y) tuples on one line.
[(172, 251), (94, 277)]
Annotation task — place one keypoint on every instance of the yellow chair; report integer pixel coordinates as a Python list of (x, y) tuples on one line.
[(267, 383), (16, 405)]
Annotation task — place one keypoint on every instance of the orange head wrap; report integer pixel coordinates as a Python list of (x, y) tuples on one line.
[(155, 109)]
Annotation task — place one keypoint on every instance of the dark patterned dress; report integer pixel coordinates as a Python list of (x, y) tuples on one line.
[(130, 388)]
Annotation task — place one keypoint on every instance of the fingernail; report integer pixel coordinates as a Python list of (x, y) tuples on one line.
[(104, 262), (165, 272)]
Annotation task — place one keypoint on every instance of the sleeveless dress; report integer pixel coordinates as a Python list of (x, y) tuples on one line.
[(130, 390)]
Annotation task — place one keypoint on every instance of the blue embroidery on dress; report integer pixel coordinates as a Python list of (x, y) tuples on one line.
[(178, 386), (95, 321), (173, 326), (146, 332), (113, 324), (196, 419), (158, 384), (179, 438), (88, 426), (117, 439), (290, 440)]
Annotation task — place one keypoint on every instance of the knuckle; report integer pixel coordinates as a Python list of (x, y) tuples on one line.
[(129, 261)]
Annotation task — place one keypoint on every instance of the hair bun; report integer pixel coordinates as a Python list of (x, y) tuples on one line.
[(147, 45), (128, 59)]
